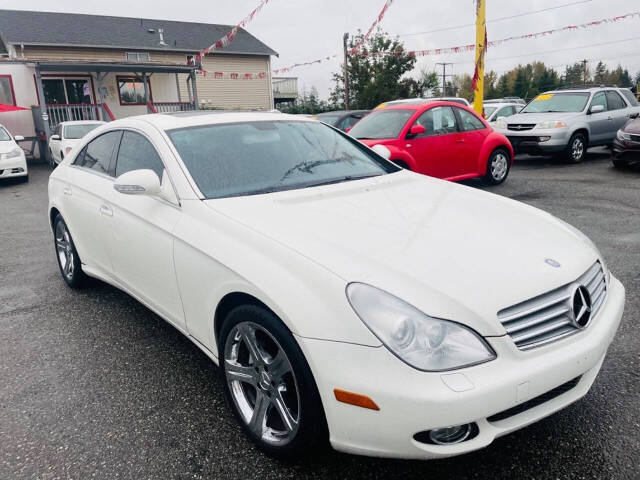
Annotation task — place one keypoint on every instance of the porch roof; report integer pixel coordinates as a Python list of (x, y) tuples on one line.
[(114, 67)]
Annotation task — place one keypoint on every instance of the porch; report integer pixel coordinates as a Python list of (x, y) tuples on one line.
[(106, 91)]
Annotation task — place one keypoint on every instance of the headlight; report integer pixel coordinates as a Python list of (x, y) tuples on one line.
[(16, 152), (623, 136), (501, 125), (423, 342), (553, 124)]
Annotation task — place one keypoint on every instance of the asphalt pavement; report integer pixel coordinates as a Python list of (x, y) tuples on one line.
[(94, 385)]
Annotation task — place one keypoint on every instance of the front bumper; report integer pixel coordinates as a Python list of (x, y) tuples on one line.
[(13, 167), (411, 401), (537, 141), (626, 151)]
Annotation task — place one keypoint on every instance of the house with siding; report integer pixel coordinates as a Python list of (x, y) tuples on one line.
[(72, 67)]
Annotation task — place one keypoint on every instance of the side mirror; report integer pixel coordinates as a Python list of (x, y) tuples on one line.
[(597, 109), (635, 115), (417, 130), (138, 182), (382, 151), (55, 137), (18, 138)]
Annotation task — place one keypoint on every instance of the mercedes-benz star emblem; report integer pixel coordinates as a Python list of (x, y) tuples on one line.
[(552, 262), (580, 306)]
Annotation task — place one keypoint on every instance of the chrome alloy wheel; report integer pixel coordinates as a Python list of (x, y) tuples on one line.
[(64, 250), (499, 166), (262, 383), (577, 149)]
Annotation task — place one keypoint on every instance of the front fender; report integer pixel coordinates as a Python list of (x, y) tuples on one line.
[(402, 155)]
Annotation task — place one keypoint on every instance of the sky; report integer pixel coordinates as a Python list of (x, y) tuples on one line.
[(304, 30)]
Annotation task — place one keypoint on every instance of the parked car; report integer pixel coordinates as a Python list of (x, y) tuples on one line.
[(567, 122), (626, 146), (344, 298), (441, 139), (342, 119), (66, 135), (415, 101), (496, 110), (13, 162)]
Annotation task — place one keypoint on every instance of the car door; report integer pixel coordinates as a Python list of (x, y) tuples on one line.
[(599, 123), (470, 139), (54, 144), (86, 206), (436, 150), (618, 112), (141, 236)]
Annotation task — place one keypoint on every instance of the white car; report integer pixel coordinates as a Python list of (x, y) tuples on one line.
[(494, 111), (343, 297), (67, 135), (13, 162)]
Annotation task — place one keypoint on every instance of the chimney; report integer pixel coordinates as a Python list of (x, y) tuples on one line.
[(162, 43)]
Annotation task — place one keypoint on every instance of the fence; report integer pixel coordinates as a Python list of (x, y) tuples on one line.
[(168, 107), (80, 111)]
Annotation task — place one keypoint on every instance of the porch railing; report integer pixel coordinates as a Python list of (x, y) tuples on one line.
[(65, 112), (167, 107)]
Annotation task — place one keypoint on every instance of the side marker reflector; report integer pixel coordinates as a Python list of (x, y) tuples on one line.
[(355, 399)]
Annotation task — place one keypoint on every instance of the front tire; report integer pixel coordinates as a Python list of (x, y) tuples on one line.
[(67, 255), (498, 167), (620, 164), (269, 384), (576, 148)]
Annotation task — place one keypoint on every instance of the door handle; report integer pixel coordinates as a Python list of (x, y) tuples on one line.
[(106, 210), (66, 191), (610, 118)]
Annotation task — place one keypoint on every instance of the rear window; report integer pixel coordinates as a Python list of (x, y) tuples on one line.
[(381, 124), (628, 94), (329, 119), (72, 132)]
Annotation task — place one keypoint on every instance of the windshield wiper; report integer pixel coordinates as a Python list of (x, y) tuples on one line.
[(346, 178)]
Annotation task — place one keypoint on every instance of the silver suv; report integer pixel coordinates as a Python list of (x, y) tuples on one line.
[(567, 122)]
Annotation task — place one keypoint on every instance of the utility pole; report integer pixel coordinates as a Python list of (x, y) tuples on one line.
[(345, 37), (584, 62), (444, 77)]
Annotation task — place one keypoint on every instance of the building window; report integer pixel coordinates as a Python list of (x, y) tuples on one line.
[(131, 90), (7, 95), (66, 90), (139, 57)]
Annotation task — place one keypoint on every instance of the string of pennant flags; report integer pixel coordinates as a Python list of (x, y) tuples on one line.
[(471, 47)]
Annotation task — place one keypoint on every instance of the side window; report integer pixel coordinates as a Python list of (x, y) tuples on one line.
[(97, 154), (633, 101), (614, 101), (79, 160), (136, 152), (470, 121), (599, 99), (438, 121)]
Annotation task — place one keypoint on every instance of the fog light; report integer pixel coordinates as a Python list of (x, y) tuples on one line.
[(544, 139), (450, 435)]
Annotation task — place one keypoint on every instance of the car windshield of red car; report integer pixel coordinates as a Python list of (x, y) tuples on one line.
[(381, 124)]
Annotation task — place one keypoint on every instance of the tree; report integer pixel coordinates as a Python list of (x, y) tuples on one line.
[(308, 102), (600, 73), (375, 72)]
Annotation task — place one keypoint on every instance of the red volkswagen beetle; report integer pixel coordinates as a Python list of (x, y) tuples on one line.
[(438, 138)]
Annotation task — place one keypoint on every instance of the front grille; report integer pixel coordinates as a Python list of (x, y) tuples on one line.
[(546, 318), (521, 126), (635, 138), (534, 402)]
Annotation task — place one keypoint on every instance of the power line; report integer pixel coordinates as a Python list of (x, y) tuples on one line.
[(444, 29)]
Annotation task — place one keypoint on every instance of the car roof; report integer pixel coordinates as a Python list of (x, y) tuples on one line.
[(82, 122), (170, 121), (422, 104), (340, 112)]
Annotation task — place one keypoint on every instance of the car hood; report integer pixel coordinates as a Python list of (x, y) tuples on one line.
[(452, 251), (633, 127), (7, 146), (540, 117)]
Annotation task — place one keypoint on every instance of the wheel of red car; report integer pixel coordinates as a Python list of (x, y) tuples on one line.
[(498, 167)]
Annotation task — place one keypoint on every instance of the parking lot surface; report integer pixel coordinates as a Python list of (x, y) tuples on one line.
[(94, 385)]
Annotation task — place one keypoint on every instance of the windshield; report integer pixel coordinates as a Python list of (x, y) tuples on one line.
[(71, 132), (381, 124), (227, 160), (488, 111), (330, 119), (558, 102), (4, 135)]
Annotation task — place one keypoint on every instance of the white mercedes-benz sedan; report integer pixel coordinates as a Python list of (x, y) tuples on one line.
[(344, 298)]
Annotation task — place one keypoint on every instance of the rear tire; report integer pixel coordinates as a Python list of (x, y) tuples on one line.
[(576, 148), (67, 255), (498, 166), (268, 383)]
